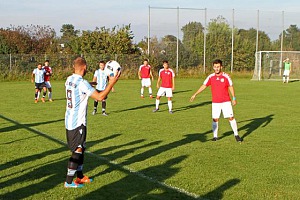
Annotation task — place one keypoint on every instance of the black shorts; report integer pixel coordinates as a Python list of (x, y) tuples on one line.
[(76, 138), (101, 91), (40, 85)]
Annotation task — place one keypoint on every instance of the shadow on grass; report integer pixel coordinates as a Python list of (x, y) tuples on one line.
[(181, 91), (218, 193), (253, 124), (192, 106)]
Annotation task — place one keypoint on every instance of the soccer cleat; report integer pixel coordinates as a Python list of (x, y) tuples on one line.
[(155, 110), (85, 179), (94, 112), (43, 100), (151, 96), (142, 96), (215, 139), (50, 100), (73, 185), (171, 112), (35, 101), (238, 139), (104, 113)]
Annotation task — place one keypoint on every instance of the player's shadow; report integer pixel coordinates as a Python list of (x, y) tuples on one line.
[(139, 185), (218, 193), (181, 91), (192, 106), (137, 108), (92, 143), (250, 127)]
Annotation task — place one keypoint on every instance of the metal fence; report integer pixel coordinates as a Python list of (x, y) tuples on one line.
[(169, 21)]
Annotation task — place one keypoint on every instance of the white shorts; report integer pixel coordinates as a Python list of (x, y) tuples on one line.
[(48, 84), (165, 91), (225, 107), (286, 72), (146, 82)]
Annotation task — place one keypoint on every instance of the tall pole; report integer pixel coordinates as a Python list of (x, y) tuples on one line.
[(259, 62), (148, 32), (281, 44), (177, 47), (204, 41), (257, 31), (232, 40)]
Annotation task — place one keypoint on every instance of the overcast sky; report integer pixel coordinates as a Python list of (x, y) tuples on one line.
[(89, 14)]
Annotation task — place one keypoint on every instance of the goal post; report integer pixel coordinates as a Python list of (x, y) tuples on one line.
[(269, 65)]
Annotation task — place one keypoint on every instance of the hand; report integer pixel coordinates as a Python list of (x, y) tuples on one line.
[(233, 102), (192, 98)]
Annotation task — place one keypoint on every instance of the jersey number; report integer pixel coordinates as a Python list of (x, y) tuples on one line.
[(69, 99)]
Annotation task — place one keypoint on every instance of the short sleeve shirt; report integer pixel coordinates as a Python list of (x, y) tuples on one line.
[(77, 92), (145, 71), (219, 87), (39, 75), (166, 76), (49, 70), (101, 76)]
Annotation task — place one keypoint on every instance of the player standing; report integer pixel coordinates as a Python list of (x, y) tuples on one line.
[(78, 91), (101, 78), (145, 74), (38, 76), (167, 78), (220, 83), (48, 74), (287, 70)]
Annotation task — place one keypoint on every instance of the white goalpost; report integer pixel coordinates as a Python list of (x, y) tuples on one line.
[(269, 65)]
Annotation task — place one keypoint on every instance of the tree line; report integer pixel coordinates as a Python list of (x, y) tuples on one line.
[(109, 42)]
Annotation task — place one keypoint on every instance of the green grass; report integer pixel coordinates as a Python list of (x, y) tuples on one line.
[(136, 154)]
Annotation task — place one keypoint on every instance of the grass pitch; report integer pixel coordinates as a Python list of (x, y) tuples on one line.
[(136, 154)]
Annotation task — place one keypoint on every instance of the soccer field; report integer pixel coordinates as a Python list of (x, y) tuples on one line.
[(136, 154)]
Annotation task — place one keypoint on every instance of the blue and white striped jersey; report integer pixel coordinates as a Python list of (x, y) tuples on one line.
[(78, 91), (101, 76), (39, 75)]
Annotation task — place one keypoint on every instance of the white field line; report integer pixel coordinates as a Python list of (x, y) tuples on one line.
[(111, 162)]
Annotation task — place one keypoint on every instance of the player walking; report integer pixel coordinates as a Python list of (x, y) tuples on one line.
[(78, 91), (38, 76), (167, 78), (145, 74), (101, 78), (287, 70), (47, 76), (220, 83)]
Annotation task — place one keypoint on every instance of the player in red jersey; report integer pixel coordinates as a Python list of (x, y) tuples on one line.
[(146, 76), (220, 83), (167, 78), (47, 76)]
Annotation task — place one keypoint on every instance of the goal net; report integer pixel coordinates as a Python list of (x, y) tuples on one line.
[(269, 65)]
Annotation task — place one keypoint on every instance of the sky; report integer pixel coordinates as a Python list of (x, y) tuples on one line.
[(89, 14)]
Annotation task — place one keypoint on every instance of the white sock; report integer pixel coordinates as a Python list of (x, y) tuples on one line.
[(215, 128), (170, 105), (142, 91), (283, 79), (287, 79), (157, 103), (50, 95), (150, 91), (233, 125)]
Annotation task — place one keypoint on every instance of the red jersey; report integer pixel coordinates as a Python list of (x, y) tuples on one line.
[(219, 87), (49, 70), (166, 76), (145, 71)]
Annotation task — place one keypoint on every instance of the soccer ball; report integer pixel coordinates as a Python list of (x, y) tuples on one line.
[(112, 67)]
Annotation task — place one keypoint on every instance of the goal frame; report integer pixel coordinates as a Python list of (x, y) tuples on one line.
[(260, 69)]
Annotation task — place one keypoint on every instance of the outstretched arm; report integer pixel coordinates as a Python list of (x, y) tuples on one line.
[(198, 92)]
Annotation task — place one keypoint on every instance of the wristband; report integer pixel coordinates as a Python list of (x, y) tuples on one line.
[(233, 98)]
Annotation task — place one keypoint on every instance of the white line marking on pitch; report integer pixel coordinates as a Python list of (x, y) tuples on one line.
[(137, 173)]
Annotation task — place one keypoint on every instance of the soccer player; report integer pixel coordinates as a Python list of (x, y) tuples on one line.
[(220, 83), (48, 74), (78, 91), (101, 78), (167, 78), (38, 77), (287, 70), (145, 74)]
